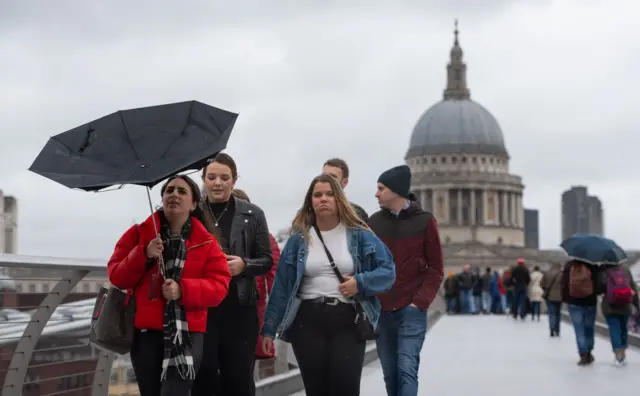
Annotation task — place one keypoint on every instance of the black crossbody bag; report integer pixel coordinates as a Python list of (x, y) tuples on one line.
[(365, 329)]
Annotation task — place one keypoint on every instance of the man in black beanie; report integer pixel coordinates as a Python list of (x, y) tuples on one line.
[(413, 238)]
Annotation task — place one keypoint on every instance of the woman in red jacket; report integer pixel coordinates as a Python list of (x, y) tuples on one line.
[(175, 273), (263, 283)]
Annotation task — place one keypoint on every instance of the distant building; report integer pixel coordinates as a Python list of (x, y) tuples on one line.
[(460, 173), (531, 229), (8, 224), (581, 213)]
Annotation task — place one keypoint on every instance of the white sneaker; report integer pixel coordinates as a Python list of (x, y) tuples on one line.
[(619, 361)]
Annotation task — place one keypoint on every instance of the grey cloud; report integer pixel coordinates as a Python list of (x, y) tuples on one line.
[(310, 82)]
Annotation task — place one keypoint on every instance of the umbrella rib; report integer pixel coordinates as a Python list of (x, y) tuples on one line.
[(75, 154), (186, 124), (126, 132)]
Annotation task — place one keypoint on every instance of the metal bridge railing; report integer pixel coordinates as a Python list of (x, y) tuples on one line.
[(45, 313), (46, 305)]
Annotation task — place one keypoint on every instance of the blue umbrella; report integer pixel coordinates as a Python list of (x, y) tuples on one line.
[(593, 249)]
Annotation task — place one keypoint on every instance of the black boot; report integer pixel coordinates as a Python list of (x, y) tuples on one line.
[(584, 359)]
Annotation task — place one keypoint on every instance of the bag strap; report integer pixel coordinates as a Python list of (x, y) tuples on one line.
[(329, 256)]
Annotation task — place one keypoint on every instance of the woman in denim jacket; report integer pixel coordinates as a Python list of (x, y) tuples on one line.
[(308, 305)]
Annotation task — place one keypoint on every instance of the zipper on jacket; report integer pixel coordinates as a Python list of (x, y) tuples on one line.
[(199, 245)]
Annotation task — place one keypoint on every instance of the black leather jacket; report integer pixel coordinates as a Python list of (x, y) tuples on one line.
[(249, 239)]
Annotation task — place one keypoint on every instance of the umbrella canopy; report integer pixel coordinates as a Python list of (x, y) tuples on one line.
[(138, 146), (593, 249)]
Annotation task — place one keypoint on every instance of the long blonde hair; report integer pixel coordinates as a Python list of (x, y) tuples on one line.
[(306, 217)]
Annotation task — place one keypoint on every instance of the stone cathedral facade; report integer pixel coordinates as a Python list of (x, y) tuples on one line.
[(460, 167)]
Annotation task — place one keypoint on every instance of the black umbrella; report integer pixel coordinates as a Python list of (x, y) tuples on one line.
[(138, 146)]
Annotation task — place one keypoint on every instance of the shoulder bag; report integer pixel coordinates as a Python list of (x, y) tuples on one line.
[(112, 322), (364, 328)]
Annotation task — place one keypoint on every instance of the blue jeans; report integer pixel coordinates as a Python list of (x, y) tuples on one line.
[(496, 305), (535, 309), (584, 324), (618, 330), (553, 310), (519, 305), (466, 301), (400, 339), (486, 301), (477, 304), (451, 303)]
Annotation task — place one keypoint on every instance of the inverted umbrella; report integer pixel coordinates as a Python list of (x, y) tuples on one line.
[(140, 146), (593, 249)]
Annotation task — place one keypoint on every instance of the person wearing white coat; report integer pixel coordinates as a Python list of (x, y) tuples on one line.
[(536, 293)]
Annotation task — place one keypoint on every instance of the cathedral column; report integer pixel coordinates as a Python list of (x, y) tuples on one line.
[(472, 207), (441, 205), (459, 211), (514, 217), (491, 207), (504, 207), (422, 198)]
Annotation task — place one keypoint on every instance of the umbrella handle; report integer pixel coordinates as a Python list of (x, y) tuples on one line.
[(153, 218), (156, 229)]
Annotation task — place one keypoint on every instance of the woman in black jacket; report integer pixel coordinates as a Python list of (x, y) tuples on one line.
[(233, 326)]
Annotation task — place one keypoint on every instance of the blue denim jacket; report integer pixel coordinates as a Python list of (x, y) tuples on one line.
[(374, 272)]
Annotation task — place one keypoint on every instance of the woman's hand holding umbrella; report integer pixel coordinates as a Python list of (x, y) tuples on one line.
[(155, 248)]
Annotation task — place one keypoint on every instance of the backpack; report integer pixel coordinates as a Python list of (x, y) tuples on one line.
[(619, 291), (580, 281)]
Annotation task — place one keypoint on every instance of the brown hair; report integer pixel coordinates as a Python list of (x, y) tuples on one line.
[(240, 194), (340, 164), (224, 159), (306, 217)]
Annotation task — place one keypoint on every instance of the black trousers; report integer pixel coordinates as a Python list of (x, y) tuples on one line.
[(147, 355), (229, 352), (329, 354)]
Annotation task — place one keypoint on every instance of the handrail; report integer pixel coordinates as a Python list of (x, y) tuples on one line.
[(63, 263), (26, 319)]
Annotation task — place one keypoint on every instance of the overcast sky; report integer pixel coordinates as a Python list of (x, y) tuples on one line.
[(318, 80)]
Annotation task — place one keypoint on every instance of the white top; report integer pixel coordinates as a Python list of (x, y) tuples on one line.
[(319, 279)]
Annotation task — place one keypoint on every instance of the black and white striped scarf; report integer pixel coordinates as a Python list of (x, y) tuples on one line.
[(178, 355)]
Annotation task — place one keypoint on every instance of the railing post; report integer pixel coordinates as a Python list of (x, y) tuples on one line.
[(21, 358), (102, 376)]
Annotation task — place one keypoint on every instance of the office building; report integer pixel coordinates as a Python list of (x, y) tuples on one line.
[(531, 229), (581, 213)]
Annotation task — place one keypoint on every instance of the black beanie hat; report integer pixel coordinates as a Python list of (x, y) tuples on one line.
[(398, 180)]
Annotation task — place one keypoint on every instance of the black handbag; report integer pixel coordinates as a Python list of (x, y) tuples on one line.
[(364, 328), (112, 322)]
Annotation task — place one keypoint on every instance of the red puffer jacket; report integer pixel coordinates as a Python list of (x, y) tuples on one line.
[(204, 283), (264, 284)]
